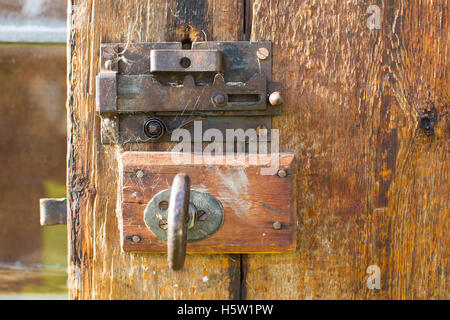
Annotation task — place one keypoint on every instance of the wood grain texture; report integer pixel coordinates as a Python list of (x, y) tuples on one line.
[(372, 186), (252, 200), (98, 269)]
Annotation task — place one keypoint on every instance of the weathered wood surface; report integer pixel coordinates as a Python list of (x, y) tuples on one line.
[(98, 267), (372, 186), (252, 201)]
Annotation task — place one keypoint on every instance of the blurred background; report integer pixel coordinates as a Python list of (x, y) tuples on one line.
[(33, 259)]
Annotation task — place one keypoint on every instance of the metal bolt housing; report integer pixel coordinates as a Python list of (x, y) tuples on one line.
[(136, 238)]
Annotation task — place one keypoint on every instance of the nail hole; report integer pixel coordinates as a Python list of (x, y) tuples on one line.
[(185, 62), (427, 125)]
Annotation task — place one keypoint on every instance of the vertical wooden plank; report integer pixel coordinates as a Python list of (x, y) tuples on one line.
[(99, 269), (372, 183)]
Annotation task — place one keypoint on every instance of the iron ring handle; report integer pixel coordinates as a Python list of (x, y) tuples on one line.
[(178, 214)]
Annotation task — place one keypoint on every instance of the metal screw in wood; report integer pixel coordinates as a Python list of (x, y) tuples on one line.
[(139, 174), (276, 225), (282, 173), (262, 53)]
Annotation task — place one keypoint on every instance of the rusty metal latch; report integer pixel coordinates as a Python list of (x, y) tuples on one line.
[(228, 85)]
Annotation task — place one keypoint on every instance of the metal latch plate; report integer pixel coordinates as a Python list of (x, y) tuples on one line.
[(215, 82), (259, 210)]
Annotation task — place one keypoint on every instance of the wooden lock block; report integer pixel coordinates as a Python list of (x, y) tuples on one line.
[(259, 208)]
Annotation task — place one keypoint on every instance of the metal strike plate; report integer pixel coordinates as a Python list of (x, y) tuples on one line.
[(249, 206), (226, 85)]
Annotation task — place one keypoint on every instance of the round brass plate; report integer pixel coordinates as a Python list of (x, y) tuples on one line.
[(201, 201)]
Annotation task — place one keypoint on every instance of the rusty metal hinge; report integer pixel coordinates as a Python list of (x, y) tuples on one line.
[(147, 90)]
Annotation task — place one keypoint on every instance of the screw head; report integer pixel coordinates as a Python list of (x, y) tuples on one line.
[(282, 173), (276, 225), (219, 99), (262, 53), (139, 174), (163, 224), (154, 128), (136, 238), (275, 98)]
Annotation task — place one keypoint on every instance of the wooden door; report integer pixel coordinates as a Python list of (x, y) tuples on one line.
[(366, 94)]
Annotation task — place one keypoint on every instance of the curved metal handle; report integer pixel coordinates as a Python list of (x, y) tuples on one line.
[(178, 214)]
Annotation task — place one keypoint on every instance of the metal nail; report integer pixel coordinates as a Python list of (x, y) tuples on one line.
[(136, 238)]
